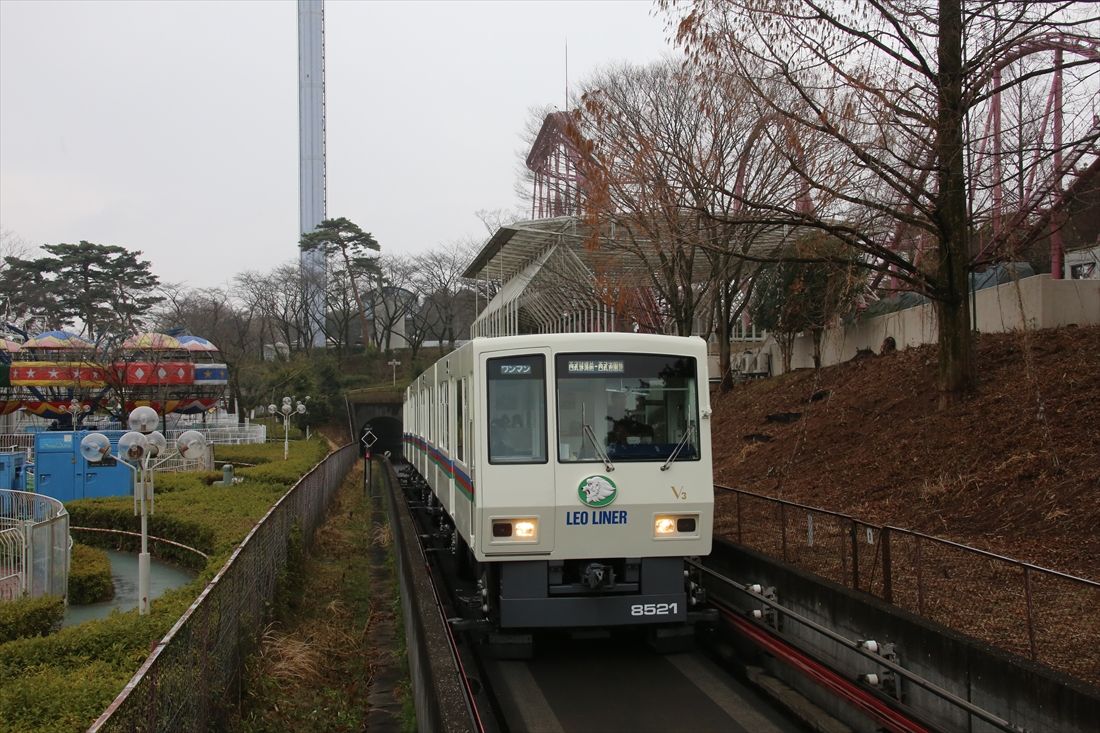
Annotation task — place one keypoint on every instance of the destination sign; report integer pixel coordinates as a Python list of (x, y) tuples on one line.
[(595, 366)]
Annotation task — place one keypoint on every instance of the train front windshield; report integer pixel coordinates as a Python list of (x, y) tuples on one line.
[(636, 407)]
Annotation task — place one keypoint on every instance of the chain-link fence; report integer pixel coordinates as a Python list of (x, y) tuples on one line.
[(34, 546), (192, 678), (1041, 614)]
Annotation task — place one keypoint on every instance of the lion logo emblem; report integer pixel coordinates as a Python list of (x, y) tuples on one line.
[(597, 491)]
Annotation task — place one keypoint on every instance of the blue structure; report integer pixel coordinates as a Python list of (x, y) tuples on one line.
[(61, 472), (12, 470)]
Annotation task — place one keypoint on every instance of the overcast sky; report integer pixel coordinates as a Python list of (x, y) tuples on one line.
[(172, 127)]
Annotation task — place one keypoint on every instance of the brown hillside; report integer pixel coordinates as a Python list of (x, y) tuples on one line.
[(1015, 469)]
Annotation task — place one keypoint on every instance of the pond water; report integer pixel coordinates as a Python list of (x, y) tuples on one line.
[(162, 577)]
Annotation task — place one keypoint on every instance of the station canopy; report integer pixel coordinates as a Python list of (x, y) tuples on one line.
[(550, 273)]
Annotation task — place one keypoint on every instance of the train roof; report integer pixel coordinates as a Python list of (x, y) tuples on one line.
[(594, 341)]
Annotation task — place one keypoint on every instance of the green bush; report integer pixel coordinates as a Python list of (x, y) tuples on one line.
[(27, 617), (118, 513), (178, 480), (258, 453), (89, 576), (63, 681)]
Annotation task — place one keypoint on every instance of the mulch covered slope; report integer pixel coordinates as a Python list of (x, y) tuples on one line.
[(1015, 469)]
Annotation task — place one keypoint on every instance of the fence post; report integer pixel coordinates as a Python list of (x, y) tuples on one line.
[(738, 495), (1030, 617), (920, 580), (887, 574), (28, 558), (855, 553), (783, 527)]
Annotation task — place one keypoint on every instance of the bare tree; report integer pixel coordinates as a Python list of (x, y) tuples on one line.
[(278, 300), (393, 297), (656, 141), (448, 297), (885, 89), (341, 310)]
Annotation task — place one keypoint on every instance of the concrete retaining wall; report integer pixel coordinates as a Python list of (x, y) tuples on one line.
[(437, 692), (1047, 303), (1028, 695)]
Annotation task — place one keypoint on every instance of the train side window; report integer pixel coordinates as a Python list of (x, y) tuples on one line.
[(444, 416), (460, 418), (517, 409)]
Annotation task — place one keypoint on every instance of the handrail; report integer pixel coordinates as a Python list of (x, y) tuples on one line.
[(911, 532), (162, 540)]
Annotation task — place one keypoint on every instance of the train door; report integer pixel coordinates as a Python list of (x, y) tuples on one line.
[(446, 456), (516, 473), (462, 460)]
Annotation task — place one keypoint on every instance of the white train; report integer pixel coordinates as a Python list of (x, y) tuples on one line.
[(575, 472)]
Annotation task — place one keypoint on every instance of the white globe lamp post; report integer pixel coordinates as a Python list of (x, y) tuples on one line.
[(136, 449), (284, 413)]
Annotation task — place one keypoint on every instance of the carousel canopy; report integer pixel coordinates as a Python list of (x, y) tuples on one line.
[(152, 341), (57, 340), (196, 343)]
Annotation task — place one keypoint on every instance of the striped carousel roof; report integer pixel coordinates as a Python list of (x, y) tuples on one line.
[(57, 340), (196, 343), (153, 342)]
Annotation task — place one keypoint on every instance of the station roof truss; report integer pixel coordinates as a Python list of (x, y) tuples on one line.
[(553, 275)]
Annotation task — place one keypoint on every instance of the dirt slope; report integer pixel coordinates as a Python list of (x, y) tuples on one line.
[(1015, 469)]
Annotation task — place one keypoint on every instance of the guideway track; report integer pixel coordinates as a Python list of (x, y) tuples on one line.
[(597, 682)]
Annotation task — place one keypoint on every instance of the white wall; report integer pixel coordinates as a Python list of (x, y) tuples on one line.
[(1047, 304)]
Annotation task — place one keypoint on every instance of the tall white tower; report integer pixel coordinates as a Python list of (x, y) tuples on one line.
[(311, 147)]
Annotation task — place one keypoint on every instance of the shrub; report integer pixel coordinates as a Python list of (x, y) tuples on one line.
[(181, 480), (27, 617), (64, 680), (89, 576), (259, 453)]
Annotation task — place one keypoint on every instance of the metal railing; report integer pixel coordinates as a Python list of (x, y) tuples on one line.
[(225, 434), (1042, 614), (193, 675), (34, 546)]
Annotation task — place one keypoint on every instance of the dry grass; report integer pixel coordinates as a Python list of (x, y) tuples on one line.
[(288, 658)]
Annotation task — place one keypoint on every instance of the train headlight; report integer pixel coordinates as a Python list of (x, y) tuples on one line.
[(670, 526), (516, 530)]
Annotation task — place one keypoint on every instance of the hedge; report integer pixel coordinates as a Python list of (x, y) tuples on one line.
[(89, 576), (63, 681), (28, 617), (260, 453)]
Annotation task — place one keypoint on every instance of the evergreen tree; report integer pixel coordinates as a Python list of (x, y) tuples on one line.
[(99, 288)]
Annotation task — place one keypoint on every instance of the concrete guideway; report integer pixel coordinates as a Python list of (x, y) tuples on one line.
[(597, 683), (609, 686)]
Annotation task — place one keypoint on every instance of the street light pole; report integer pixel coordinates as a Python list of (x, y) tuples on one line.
[(284, 413), (136, 449), (394, 363)]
